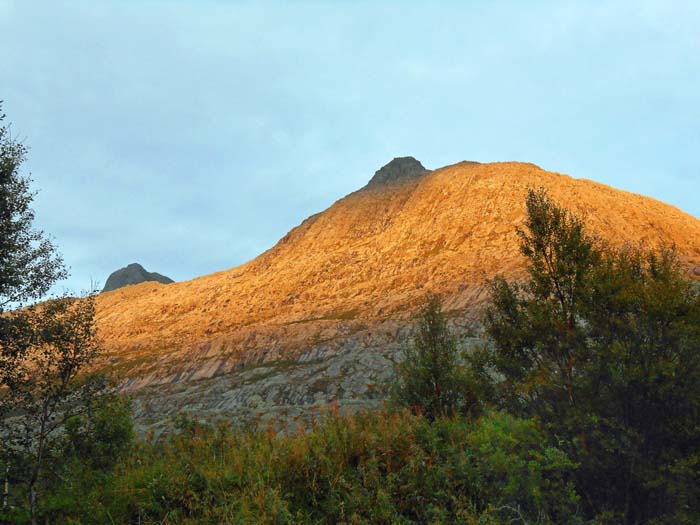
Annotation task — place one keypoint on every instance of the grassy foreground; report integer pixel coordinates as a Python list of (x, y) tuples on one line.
[(385, 467)]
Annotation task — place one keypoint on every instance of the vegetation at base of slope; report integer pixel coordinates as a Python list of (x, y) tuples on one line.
[(431, 379), (382, 467)]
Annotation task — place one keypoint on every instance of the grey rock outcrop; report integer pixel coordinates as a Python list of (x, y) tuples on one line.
[(353, 372), (401, 168), (133, 274)]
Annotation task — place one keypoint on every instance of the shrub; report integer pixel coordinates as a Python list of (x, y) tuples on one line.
[(385, 467), (430, 379)]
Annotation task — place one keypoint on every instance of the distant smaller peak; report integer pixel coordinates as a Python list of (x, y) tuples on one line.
[(134, 273), (400, 168)]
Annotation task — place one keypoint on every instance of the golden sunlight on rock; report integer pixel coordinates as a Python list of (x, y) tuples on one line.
[(365, 261)]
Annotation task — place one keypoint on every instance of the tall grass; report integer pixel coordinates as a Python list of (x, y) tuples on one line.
[(383, 467)]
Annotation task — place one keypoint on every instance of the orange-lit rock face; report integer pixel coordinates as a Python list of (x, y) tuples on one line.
[(368, 258)]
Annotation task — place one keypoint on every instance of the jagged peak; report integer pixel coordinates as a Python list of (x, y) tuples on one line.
[(133, 273), (400, 168)]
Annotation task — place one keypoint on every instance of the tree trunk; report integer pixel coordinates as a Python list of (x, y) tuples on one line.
[(33, 496), (6, 491), (32, 503)]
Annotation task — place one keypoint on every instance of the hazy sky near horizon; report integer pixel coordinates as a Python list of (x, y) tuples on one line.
[(190, 136)]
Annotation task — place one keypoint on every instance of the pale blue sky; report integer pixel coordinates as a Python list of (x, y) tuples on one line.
[(191, 135)]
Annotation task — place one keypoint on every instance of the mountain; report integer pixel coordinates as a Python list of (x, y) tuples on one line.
[(320, 316), (133, 274)]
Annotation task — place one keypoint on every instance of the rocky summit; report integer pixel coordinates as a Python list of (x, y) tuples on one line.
[(133, 274), (399, 169), (320, 318)]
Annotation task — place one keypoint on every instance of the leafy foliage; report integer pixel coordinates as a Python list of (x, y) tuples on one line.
[(431, 378), (29, 264), (385, 467), (85, 456), (77, 461), (602, 346), (45, 348)]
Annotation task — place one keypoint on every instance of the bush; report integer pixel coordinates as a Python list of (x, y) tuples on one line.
[(386, 467), (431, 379), (78, 461)]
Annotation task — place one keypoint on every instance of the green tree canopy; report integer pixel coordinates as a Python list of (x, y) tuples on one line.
[(603, 346), (431, 379), (29, 262), (45, 348)]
